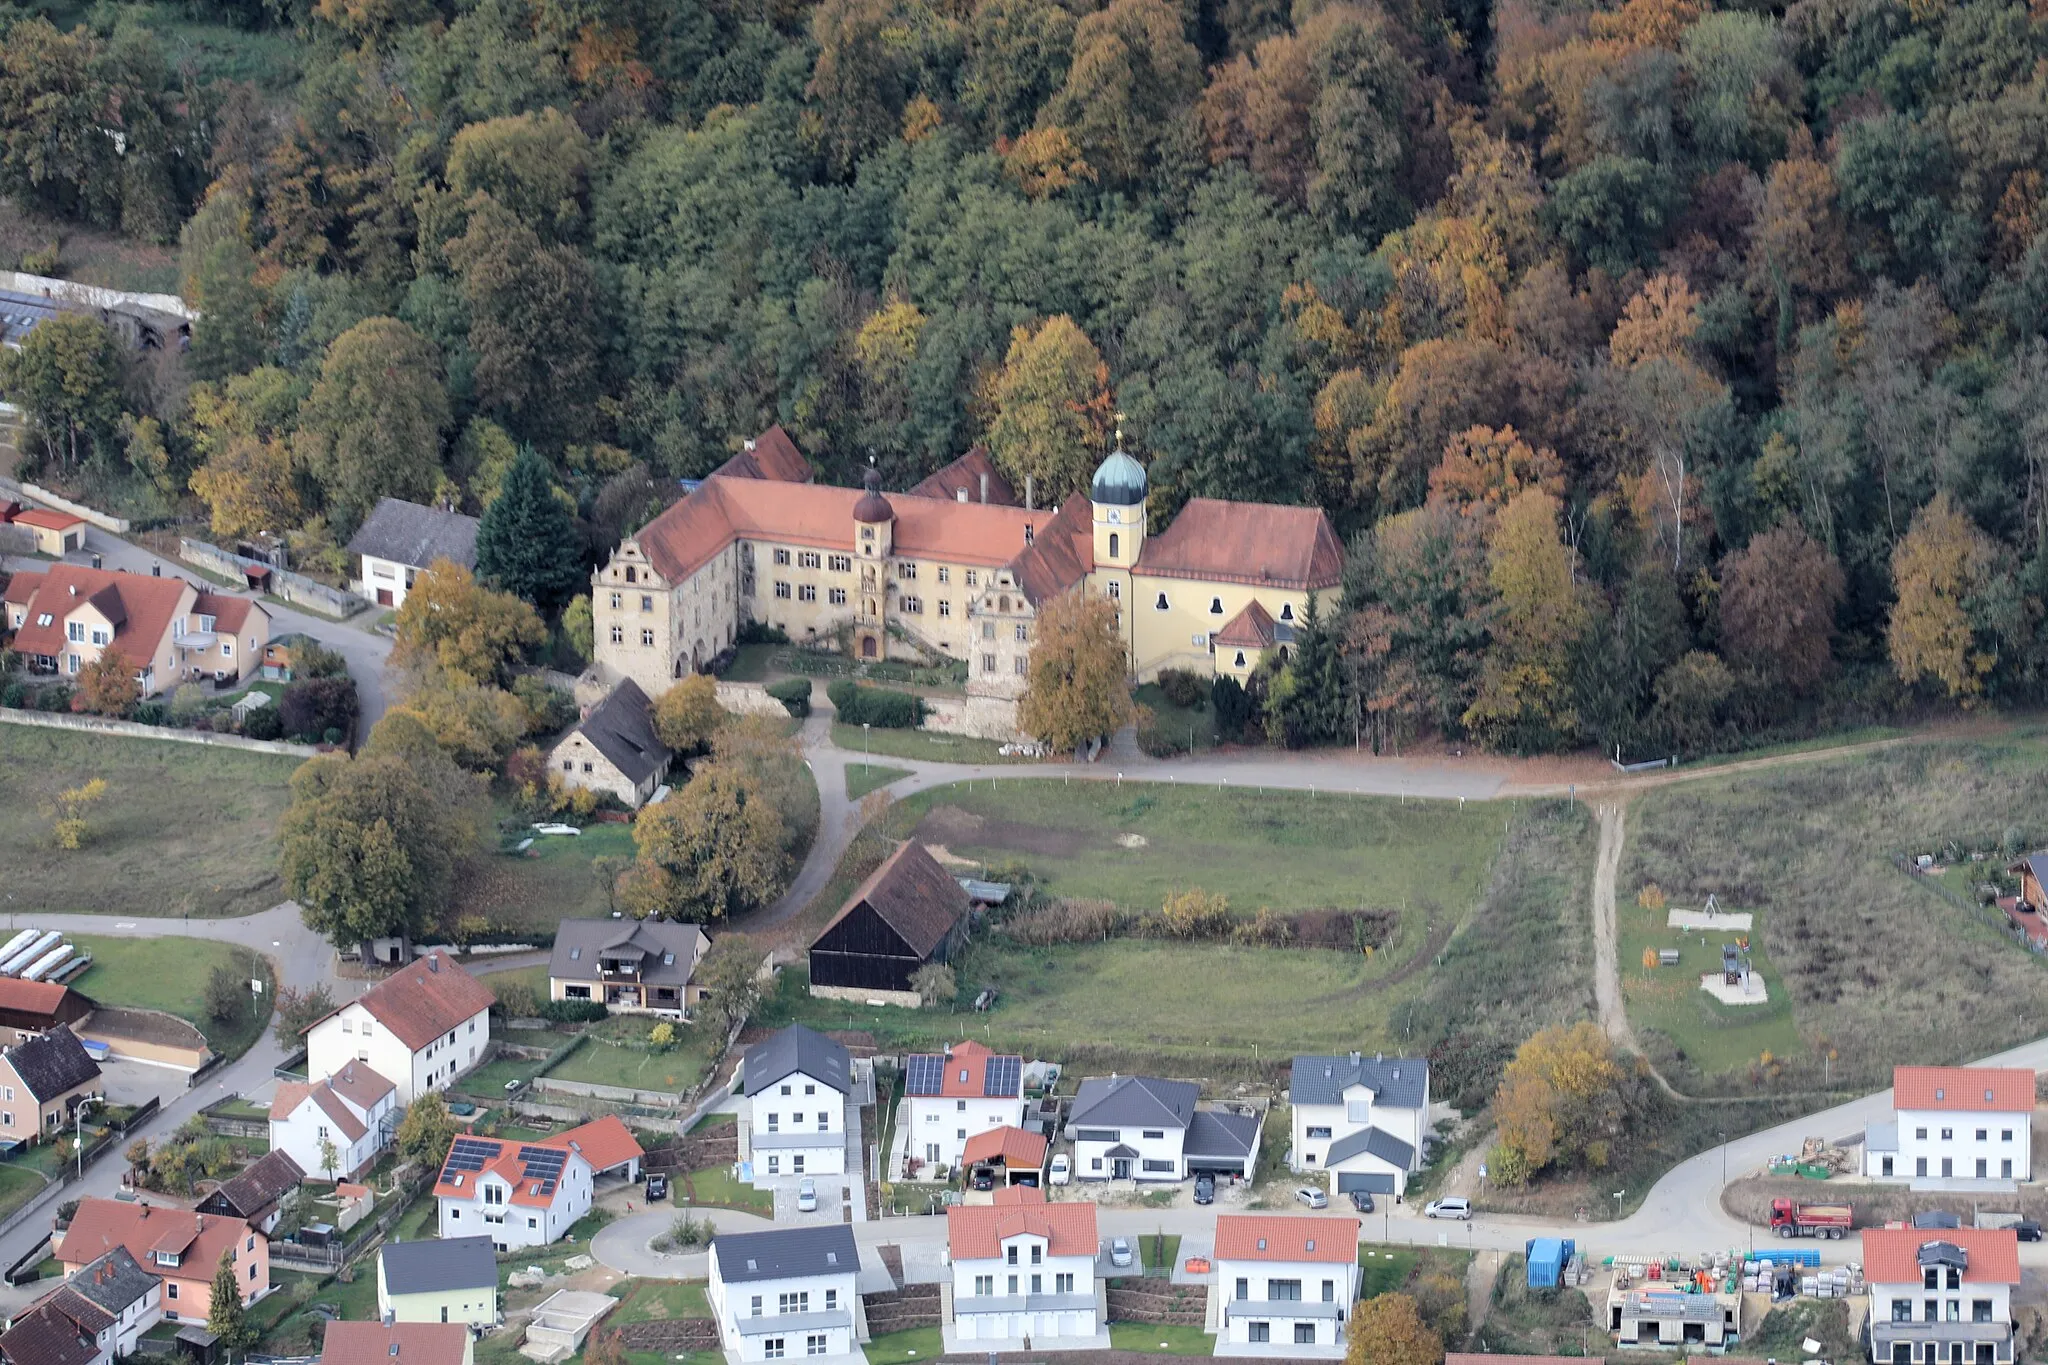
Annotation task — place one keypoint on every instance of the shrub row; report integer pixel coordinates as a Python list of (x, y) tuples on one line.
[(1188, 917), (858, 705), (794, 694)]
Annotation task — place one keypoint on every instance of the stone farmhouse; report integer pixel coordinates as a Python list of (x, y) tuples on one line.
[(949, 569)]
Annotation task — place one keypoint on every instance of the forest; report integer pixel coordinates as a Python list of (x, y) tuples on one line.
[(1676, 375)]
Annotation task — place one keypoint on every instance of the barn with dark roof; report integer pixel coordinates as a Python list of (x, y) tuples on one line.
[(909, 912)]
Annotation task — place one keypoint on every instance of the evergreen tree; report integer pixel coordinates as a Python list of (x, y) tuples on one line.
[(1306, 705), (225, 1316), (527, 543)]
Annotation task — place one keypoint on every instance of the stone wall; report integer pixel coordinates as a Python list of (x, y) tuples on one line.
[(101, 725), (670, 1335), (118, 525), (284, 584), (981, 717), (1159, 1301), (749, 699), (898, 1310)]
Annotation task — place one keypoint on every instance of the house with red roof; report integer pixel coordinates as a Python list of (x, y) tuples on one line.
[(955, 1097), (170, 632), (1955, 1127), (178, 1246), (527, 1194), (1283, 1281), (350, 1116), (1025, 1268), (1941, 1296), (420, 1028)]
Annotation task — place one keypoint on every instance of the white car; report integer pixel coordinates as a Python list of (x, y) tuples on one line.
[(1313, 1197), (1448, 1208), (556, 829), (1062, 1169), (807, 1196)]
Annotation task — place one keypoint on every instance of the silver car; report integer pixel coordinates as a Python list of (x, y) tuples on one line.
[(1313, 1197), (1120, 1252), (1448, 1208), (807, 1196)]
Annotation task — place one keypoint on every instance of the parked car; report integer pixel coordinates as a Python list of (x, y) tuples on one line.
[(1205, 1188), (657, 1187), (513, 1087), (983, 1178), (1448, 1208), (1362, 1200), (1028, 1179), (1062, 1169), (807, 1196), (1313, 1197), (1120, 1252), (2028, 1230)]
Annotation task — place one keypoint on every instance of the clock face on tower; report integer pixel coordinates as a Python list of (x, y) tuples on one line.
[(1116, 516)]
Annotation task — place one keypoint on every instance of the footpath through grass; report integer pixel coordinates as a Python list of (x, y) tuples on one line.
[(170, 974), (184, 829)]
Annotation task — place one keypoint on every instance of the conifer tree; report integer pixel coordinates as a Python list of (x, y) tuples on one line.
[(527, 543)]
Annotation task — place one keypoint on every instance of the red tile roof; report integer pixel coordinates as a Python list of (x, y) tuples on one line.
[(1251, 628), (965, 1073), (59, 1330), (1060, 553), (1266, 1237), (966, 474), (1247, 542), (772, 455), (420, 1002), (976, 1232), (358, 1083), (21, 587), (1892, 1255), (32, 997), (1014, 1146), (229, 613), (401, 1343), (48, 521), (100, 1225), (602, 1144), (1964, 1089), (142, 607)]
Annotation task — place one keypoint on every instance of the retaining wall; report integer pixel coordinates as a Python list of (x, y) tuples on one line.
[(980, 717), (749, 699), (102, 725), (93, 295), (670, 1335), (1158, 1301), (118, 525), (284, 584), (616, 1094)]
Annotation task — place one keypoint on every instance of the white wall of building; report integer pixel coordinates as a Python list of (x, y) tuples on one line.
[(351, 1034), (490, 1213), (797, 1126), (1928, 1138), (298, 1135), (1160, 1147), (940, 1126), (1256, 1288), (981, 1281), (754, 1313)]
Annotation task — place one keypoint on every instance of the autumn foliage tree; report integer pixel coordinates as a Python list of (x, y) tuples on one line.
[(1052, 409), (688, 712), (711, 850), (451, 622), (1077, 687), (107, 686), (1388, 1329), (1957, 606), (1778, 602), (1525, 697), (1560, 1103)]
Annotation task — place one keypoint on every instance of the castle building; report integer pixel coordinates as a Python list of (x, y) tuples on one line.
[(953, 567)]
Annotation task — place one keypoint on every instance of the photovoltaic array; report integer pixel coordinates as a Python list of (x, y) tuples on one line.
[(1002, 1075), (927, 1074)]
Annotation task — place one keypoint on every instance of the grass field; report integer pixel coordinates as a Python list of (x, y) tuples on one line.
[(185, 829), (17, 1187), (558, 878), (885, 743), (862, 778), (1711, 1037), (660, 1301), (750, 663), (1157, 1339), (1178, 725), (170, 974), (1385, 1269), (534, 979), (600, 1063), (1880, 966), (1525, 1321), (919, 1343), (716, 1187)]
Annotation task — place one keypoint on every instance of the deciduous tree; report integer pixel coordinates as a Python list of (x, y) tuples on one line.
[(1134, 74), (372, 426), (1077, 686), (711, 850), (535, 164), (1052, 409), (1388, 1330), (686, 715), (1560, 1099), (451, 622), (933, 985), (67, 376), (249, 487), (730, 973), (1525, 699), (426, 1131), (1778, 601), (107, 686), (1958, 605), (1484, 469), (539, 379)]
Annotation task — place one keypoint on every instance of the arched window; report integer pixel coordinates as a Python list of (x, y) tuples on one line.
[(1112, 545), (1240, 659), (1002, 604), (631, 574)]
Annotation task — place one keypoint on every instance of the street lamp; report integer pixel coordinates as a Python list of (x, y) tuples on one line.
[(1724, 1157), (77, 1131), (864, 751), (1617, 1204)]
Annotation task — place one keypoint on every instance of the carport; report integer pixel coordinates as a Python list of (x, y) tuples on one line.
[(1222, 1143), (1364, 1182)]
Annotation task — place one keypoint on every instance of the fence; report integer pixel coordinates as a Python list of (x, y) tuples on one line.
[(70, 1172), (100, 725), (284, 584), (327, 1259), (118, 525), (229, 1125)]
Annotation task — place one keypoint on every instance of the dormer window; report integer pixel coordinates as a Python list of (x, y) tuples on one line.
[(44, 618)]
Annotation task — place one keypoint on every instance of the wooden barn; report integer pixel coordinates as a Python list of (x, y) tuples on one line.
[(909, 912)]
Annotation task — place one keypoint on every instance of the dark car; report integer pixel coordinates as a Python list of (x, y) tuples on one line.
[(2028, 1230), (1205, 1188), (983, 1178), (1361, 1200), (657, 1187)]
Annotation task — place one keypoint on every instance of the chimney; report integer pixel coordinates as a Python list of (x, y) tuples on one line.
[(984, 485), (1356, 1059), (1029, 505), (390, 1317), (434, 963)]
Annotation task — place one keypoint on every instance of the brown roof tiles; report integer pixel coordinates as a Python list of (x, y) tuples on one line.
[(421, 1001), (1247, 542), (913, 895)]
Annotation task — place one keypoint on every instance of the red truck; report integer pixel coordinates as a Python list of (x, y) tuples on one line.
[(1832, 1221)]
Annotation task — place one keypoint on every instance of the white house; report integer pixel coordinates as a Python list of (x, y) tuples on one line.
[(1023, 1268), (796, 1084), (1131, 1128), (527, 1194), (1955, 1124), (419, 1028), (1283, 1281), (399, 539), (354, 1112), (1941, 1296), (1363, 1119), (126, 1292), (787, 1294), (959, 1095)]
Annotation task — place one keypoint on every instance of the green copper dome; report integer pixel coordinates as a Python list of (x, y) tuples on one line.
[(1119, 481)]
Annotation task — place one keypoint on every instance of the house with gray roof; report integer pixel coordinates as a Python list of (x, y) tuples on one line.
[(1364, 1119), (630, 966), (797, 1083), (129, 1294), (1132, 1128), (400, 539), (614, 749), (787, 1294), (447, 1279)]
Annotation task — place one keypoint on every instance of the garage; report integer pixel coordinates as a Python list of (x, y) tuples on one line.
[(1352, 1182)]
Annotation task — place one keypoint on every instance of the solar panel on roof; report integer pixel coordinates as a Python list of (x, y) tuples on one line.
[(471, 1154), (927, 1074), (1002, 1075)]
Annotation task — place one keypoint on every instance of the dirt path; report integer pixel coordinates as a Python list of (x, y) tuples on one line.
[(1479, 1280), (1606, 954)]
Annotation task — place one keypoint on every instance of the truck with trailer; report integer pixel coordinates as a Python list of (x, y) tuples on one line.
[(1790, 1218)]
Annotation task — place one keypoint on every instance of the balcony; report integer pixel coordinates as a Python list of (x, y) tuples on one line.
[(1282, 1308), (776, 1323), (1917, 1336), (1023, 1303)]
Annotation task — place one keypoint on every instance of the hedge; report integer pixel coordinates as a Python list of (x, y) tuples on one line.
[(794, 694), (858, 705)]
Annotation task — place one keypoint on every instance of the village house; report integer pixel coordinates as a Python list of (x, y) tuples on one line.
[(909, 912), (400, 540), (959, 1095), (528, 1194), (1363, 1119), (1941, 1297), (1025, 1269), (350, 1117), (419, 1028), (787, 1294), (397, 1343), (168, 631), (129, 1294), (796, 1084), (179, 1247), (256, 1195), (1284, 1281), (614, 749), (1131, 1128), (958, 578), (630, 966), (61, 1328), (452, 1279), (31, 1007), (1955, 1123), (42, 1080)]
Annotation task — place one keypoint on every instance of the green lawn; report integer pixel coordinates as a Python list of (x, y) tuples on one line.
[(558, 878), (534, 979), (601, 1063), (1385, 1269), (185, 829), (660, 1301), (170, 974), (1158, 1254), (711, 1121), (919, 1343), (925, 744), (716, 1187), (17, 1186), (750, 663), (1172, 728), (1158, 1339), (1714, 1037), (862, 778)]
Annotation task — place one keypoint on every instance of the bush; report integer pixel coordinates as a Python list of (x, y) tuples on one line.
[(1235, 708), (150, 713), (570, 1011), (56, 698), (794, 694), (1069, 921), (311, 659), (263, 723), (314, 706), (550, 708), (13, 695), (759, 633), (1183, 687), (858, 705)]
